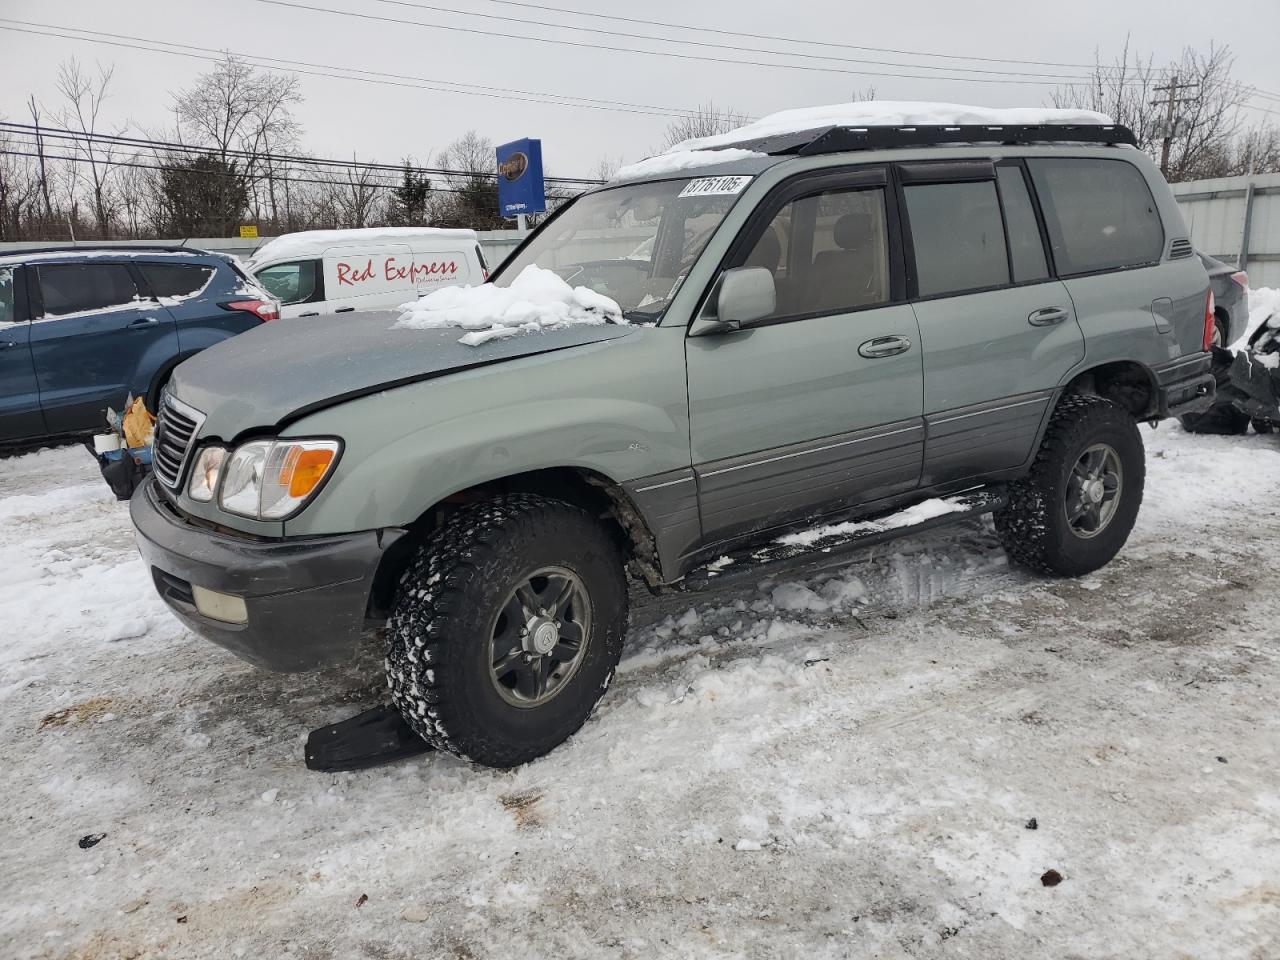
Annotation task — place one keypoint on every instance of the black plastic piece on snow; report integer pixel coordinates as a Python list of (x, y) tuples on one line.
[(377, 736)]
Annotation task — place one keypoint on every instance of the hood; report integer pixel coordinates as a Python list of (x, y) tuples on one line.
[(285, 369)]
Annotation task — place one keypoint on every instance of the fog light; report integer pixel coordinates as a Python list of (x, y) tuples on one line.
[(220, 606)]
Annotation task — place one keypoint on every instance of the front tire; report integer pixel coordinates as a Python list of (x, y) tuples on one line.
[(506, 629), (1073, 512)]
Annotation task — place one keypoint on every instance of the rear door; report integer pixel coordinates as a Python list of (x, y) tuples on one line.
[(998, 332), (818, 406), (19, 395), (95, 339), (182, 289)]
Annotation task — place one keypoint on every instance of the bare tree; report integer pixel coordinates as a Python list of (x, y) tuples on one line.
[(1205, 102), (606, 168), (470, 197), (82, 112), (19, 189), (706, 120)]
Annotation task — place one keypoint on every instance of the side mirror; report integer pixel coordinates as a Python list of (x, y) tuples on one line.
[(747, 294)]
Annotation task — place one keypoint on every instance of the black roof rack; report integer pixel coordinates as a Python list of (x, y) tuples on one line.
[(124, 248), (838, 139)]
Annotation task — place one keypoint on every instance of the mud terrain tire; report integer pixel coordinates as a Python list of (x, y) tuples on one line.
[(451, 603), (1035, 528)]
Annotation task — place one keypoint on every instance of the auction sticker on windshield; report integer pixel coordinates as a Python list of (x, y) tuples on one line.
[(714, 186)]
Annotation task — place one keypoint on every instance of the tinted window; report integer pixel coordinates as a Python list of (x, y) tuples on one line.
[(175, 279), (827, 252), (1025, 246), (291, 282), (958, 237), (1100, 213), (6, 295), (84, 287)]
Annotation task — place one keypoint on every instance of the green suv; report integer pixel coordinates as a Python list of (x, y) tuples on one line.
[(824, 326)]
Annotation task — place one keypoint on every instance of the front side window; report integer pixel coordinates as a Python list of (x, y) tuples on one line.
[(827, 252), (291, 282), (1100, 213), (634, 243), (958, 237), (177, 280), (72, 288), (7, 312)]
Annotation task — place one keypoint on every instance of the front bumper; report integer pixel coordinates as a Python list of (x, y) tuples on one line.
[(305, 598), (1186, 385)]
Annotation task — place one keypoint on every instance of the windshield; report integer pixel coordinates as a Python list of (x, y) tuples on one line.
[(633, 243)]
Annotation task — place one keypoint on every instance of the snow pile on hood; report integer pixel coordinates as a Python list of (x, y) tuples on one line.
[(536, 300), (880, 113), (673, 161)]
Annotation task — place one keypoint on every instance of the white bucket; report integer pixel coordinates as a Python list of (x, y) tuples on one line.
[(106, 442)]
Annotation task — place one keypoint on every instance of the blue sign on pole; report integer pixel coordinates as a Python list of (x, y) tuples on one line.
[(520, 185)]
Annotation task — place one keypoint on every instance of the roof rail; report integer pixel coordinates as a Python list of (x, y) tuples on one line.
[(839, 139), (124, 248)]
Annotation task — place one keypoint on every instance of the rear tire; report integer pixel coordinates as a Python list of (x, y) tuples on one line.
[(1073, 512), (497, 582)]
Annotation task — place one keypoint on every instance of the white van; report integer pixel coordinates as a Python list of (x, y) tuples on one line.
[(336, 271)]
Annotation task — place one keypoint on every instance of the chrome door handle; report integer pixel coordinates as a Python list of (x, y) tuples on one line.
[(143, 322), (884, 347), (1047, 316), (7, 344)]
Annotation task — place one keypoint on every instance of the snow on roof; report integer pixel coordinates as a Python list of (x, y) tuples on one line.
[(92, 252), (536, 300), (673, 161), (880, 113), (311, 241)]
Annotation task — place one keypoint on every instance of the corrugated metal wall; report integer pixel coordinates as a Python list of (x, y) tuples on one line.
[(1227, 213)]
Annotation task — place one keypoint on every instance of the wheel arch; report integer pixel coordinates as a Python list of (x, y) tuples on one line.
[(598, 494), (1129, 383)]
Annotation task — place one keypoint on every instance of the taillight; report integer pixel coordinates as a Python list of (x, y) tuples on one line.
[(264, 310), (1210, 324), (1241, 278)]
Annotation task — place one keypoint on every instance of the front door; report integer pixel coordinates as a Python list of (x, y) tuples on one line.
[(19, 396), (999, 334), (95, 340), (817, 407)]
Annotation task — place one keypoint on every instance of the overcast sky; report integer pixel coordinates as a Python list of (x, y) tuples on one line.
[(342, 115)]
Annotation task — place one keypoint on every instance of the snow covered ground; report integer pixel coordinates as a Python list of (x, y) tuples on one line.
[(844, 764)]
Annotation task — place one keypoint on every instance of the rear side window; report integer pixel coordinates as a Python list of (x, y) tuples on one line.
[(1100, 213), (958, 237), (827, 252), (70, 288), (180, 280), (291, 282), (1026, 250)]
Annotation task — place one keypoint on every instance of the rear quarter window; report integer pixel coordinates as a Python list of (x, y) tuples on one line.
[(1099, 213), (175, 280)]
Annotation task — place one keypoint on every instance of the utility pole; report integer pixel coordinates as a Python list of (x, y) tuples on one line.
[(1172, 88)]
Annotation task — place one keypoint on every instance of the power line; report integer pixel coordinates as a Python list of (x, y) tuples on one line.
[(272, 64), (759, 36), (150, 143), (721, 46), (656, 53)]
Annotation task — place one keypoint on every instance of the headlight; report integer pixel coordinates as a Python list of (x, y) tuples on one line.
[(271, 479), (204, 473)]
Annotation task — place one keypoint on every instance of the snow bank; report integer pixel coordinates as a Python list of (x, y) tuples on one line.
[(1264, 307), (886, 113), (537, 300), (309, 241), (673, 161)]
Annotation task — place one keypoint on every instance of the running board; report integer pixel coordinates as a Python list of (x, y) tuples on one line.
[(802, 547)]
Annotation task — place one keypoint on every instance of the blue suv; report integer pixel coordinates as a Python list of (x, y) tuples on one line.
[(81, 328)]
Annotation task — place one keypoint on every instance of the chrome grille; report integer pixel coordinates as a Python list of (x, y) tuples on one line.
[(176, 427)]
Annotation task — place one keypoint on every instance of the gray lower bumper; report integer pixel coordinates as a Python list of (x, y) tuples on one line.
[(306, 598)]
